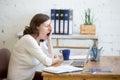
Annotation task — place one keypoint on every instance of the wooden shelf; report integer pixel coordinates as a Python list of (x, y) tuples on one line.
[(74, 47), (74, 37)]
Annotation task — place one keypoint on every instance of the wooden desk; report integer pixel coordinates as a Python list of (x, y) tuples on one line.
[(111, 62)]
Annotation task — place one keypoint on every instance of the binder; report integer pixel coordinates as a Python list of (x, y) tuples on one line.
[(61, 21), (66, 21), (70, 21), (53, 20), (57, 18)]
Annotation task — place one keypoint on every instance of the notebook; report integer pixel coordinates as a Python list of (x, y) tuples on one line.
[(100, 69), (62, 69), (77, 62)]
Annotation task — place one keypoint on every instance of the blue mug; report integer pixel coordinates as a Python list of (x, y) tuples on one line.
[(65, 53)]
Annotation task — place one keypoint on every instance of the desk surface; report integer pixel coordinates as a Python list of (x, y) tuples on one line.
[(110, 62)]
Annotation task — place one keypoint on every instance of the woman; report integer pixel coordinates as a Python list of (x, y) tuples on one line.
[(32, 49)]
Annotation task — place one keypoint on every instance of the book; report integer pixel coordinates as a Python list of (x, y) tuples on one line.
[(62, 69)]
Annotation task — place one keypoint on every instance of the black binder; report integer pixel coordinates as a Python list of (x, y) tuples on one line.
[(61, 21), (57, 18)]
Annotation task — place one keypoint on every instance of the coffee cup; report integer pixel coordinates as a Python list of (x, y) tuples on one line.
[(65, 53)]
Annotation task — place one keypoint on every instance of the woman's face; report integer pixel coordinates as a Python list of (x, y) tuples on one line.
[(45, 29)]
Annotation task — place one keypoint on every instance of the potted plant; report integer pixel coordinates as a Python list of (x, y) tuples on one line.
[(88, 28)]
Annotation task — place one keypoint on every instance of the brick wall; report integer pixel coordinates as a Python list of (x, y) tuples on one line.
[(16, 14)]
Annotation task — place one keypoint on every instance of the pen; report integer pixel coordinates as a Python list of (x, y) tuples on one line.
[(93, 52), (100, 49)]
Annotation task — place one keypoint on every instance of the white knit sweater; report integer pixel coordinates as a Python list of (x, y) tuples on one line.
[(27, 54)]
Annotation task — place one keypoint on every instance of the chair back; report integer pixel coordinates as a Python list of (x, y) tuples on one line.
[(4, 61)]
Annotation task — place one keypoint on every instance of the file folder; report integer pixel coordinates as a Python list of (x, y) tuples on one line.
[(53, 20), (57, 18), (70, 21), (66, 21), (61, 21)]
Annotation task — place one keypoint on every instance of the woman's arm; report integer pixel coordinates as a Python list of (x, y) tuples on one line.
[(55, 57), (50, 46), (32, 48)]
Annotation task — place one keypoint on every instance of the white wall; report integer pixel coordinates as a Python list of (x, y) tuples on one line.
[(16, 14)]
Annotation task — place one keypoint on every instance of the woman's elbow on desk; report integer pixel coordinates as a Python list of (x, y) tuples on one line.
[(56, 60)]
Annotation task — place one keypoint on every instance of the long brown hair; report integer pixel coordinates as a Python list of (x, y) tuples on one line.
[(36, 21)]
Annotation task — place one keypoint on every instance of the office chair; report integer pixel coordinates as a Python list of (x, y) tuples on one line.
[(4, 61)]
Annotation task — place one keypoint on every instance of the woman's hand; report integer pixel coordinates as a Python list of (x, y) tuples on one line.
[(51, 30), (59, 56), (57, 59)]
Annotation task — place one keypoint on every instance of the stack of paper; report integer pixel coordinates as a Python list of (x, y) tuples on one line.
[(62, 69)]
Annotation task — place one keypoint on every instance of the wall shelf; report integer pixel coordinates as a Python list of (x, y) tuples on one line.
[(71, 37), (74, 37)]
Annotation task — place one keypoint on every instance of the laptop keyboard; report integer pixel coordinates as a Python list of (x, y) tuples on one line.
[(77, 63), (74, 62)]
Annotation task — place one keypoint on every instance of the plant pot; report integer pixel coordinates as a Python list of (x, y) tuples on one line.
[(87, 29)]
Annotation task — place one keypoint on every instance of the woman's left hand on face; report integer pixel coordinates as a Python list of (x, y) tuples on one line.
[(50, 31), (51, 26)]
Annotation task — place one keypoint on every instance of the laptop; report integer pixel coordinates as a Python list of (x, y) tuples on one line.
[(77, 62)]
